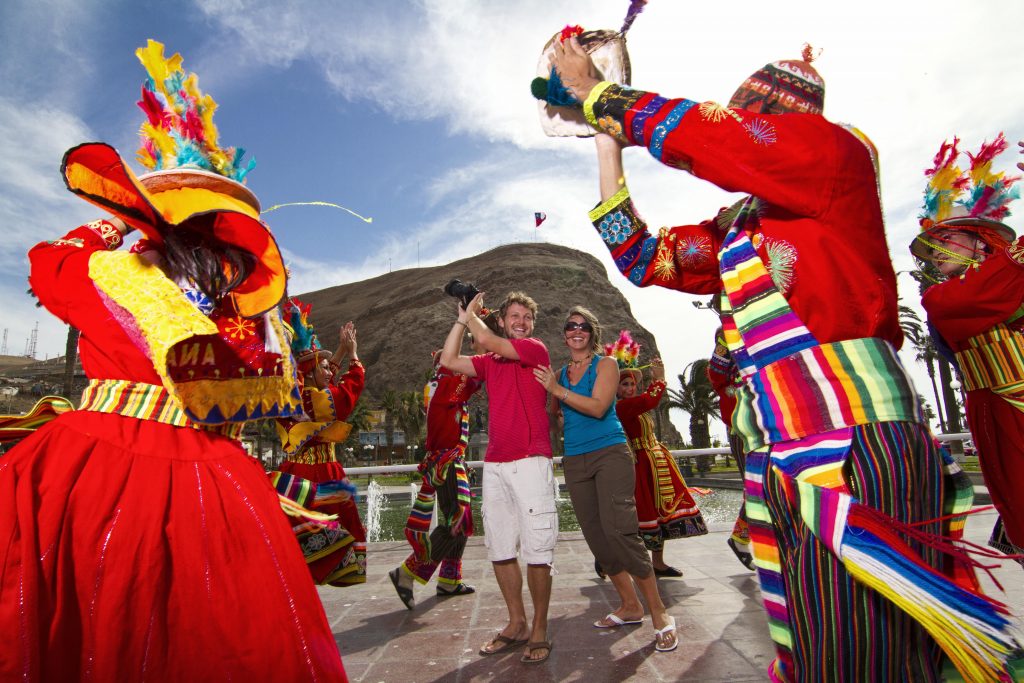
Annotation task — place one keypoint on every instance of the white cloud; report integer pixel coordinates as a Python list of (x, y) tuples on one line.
[(34, 204)]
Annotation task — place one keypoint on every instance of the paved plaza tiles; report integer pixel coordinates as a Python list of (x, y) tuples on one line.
[(722, 630)]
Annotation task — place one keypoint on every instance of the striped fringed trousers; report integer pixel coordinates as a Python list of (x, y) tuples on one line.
[(445, 548), (842, 631)]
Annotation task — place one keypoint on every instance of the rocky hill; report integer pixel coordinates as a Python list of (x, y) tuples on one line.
[(403, 316)]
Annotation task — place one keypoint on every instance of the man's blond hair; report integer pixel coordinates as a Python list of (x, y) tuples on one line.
[(517, 298)]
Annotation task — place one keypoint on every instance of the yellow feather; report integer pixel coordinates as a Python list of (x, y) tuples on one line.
[(162, 141), (158, 68), (207, 107), (943, 181), (191, 86), (982, 175), (145, 158), (219, 160)]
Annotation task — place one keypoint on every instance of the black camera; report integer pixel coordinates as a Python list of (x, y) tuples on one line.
[(463, 291)]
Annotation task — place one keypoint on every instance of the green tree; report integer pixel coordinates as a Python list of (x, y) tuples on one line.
[(924, 349), (359, 418), (927, 277), (697, 397), (70, 358), (391, 404), (411, 419)]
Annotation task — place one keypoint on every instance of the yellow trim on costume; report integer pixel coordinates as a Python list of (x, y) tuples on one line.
[(144, 402), (165, 317), (588, 104), (321, 404), (609, 204), (295, 437), (162, 313)]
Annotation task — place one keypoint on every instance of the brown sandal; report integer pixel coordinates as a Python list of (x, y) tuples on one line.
[(539, 645), (506, 645)]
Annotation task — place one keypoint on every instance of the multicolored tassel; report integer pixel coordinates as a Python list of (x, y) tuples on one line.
[(972, 629)]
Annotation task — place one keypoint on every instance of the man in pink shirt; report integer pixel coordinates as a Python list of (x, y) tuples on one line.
[(518, 486)]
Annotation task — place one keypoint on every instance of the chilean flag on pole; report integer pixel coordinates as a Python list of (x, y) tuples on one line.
[(540, 217)]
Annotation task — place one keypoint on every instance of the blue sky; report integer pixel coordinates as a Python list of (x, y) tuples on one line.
[(419, 115)]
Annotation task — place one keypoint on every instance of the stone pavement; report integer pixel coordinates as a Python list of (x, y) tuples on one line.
[(722, 628)]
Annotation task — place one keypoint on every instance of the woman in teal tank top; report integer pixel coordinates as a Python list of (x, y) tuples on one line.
[(600, 474)]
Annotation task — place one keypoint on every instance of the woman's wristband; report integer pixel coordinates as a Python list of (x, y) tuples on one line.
[(565, 396), (459, 322)]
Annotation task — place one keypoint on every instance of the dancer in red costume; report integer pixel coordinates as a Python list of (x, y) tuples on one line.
[(725, 380), (336, 554), (848, 496), (976, 307), (141, 541), (664, 506), (446, 480)]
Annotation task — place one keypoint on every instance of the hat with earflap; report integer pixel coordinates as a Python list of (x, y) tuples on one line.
[(974, 201), (788, 86), (191, 180)]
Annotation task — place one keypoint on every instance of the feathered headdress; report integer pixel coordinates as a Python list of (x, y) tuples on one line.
[(305, 345), (179, 130), (194, 179), (625, 351), (976, 200)]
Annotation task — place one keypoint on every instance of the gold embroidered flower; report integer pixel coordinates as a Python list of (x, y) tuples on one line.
[(714, 112), (240, 328), (664, 266)]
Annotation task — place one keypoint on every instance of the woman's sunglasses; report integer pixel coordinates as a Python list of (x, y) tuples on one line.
[(573, 325)]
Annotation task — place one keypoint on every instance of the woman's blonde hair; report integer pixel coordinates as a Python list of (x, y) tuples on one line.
[(595, 336)]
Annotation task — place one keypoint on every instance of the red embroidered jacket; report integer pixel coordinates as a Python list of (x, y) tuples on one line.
[(820, 234), (986, 295)]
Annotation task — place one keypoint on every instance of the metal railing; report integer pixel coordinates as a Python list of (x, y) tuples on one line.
[(678, 454)]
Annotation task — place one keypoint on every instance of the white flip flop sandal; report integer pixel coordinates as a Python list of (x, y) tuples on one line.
[(617, 621), (659, 633)]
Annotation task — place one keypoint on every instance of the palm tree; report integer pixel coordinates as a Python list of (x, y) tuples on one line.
[(359, 418), (70, 358), (927, 277), (697, 397), (391, 405), (926, 353), (411, 418)]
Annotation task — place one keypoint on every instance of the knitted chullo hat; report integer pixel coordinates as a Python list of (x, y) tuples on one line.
[(192, 177), (975, 201), (785, 86), (626, 352), (305, 346)]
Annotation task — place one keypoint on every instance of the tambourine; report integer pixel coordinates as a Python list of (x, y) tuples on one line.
[(608, 51)]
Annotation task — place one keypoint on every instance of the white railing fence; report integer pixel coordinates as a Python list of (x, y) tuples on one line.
[(684, 454)]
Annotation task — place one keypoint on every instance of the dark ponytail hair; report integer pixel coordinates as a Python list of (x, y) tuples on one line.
[(192, 253)]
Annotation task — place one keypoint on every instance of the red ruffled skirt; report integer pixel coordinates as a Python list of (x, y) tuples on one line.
[(335, 562), (134, 550)]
